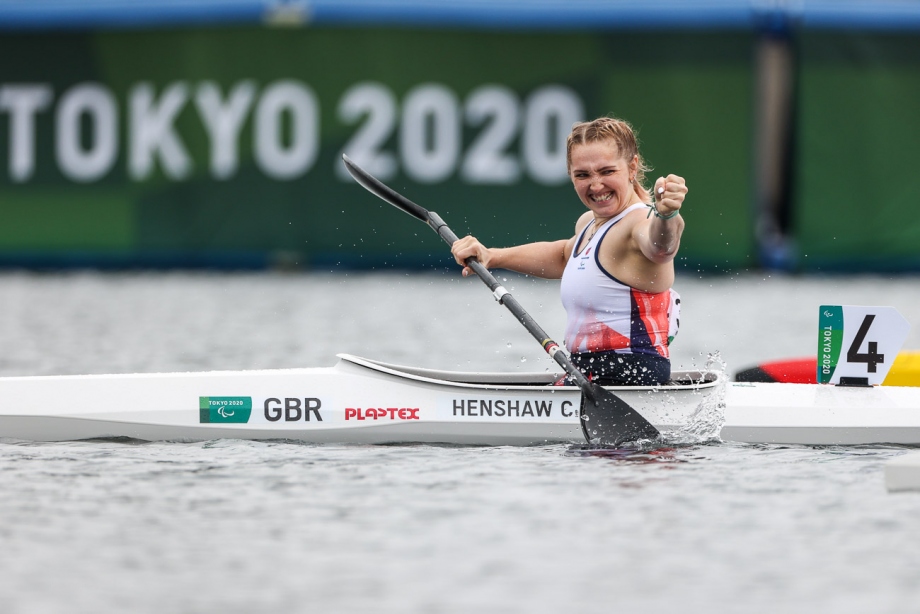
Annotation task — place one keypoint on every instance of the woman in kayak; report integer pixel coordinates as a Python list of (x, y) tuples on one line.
[(618, 268)]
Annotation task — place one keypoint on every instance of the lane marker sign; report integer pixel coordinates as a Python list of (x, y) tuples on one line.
[(858, 344)]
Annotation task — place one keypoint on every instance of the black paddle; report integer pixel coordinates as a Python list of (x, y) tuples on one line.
[(606, 418)]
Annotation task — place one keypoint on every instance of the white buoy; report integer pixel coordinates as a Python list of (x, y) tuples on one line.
[(903, 472)]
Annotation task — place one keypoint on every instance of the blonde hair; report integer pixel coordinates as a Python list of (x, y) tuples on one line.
[(617, 131)]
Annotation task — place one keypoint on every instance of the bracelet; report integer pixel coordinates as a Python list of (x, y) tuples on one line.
[(654, 209)]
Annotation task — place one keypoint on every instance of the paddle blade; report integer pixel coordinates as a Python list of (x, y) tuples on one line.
[(383, 191), (608, 420)]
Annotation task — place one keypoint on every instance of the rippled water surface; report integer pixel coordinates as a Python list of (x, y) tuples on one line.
[(235, 526)]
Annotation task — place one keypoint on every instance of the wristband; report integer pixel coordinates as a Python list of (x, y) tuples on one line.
[(654, 209)]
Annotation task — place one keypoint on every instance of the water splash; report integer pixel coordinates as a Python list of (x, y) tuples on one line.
[(705, 423)]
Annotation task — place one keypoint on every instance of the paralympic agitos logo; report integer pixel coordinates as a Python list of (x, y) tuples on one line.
[(224, 409)]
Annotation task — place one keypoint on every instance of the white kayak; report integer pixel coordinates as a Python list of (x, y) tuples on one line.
[(366, 401)]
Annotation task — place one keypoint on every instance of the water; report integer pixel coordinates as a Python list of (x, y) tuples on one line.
[(234, 526)]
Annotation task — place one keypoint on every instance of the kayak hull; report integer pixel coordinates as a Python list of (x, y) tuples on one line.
[(356, 401), (821, 414), (359, 401)]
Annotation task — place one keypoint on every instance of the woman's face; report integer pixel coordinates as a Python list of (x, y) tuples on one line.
[(602, 178)]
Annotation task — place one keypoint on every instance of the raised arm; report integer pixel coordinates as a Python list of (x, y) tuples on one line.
[(659, 237)]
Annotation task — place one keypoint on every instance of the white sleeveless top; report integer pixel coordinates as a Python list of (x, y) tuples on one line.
[(605, 314)]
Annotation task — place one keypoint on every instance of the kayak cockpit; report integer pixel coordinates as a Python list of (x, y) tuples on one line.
[(679, 379)]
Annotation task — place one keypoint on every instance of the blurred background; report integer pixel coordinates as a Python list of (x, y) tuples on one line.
[(208, 133)]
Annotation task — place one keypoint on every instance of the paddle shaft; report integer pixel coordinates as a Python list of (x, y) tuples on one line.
[(504, 298)]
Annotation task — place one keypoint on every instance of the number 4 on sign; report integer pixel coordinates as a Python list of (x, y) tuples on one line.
[(857, 344)]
